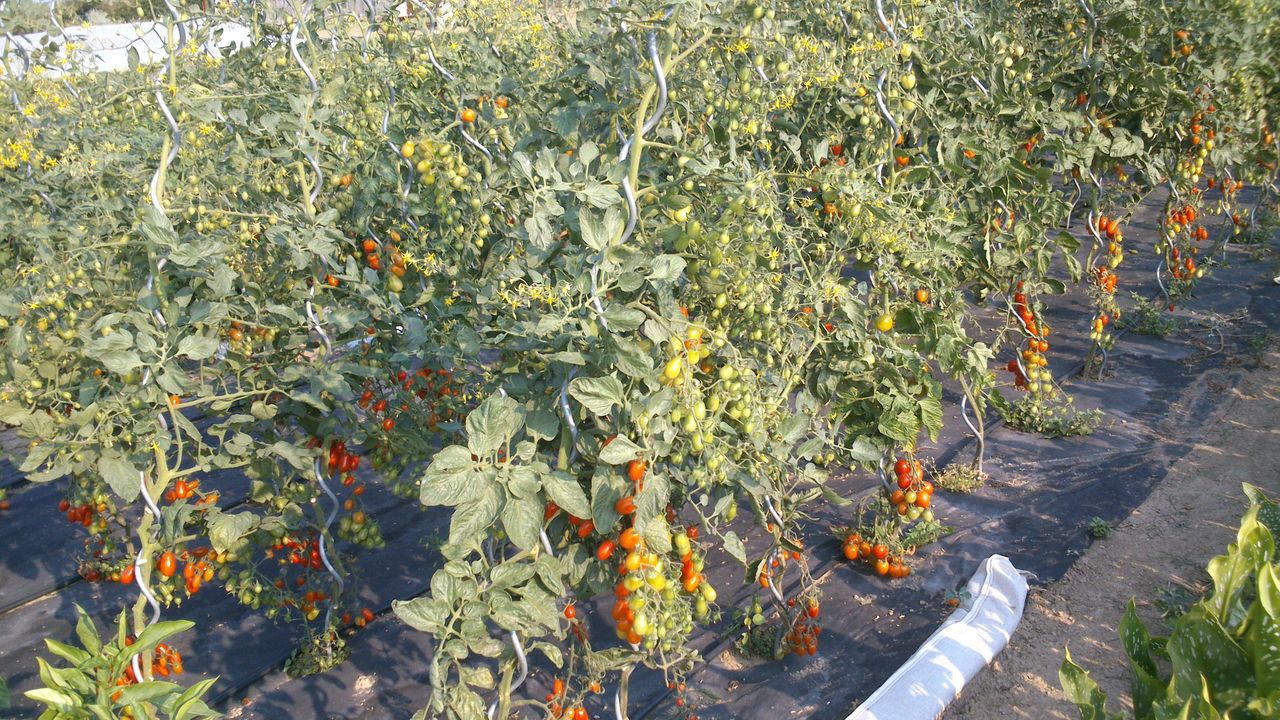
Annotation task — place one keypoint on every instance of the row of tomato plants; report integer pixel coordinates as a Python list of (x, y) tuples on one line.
[(594, 278)]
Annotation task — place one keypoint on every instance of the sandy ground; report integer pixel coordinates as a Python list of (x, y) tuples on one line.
[(1166, 543)]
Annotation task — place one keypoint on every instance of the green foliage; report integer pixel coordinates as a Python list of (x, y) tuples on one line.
[(91, 683), (959, 477), (1219, 659), (1148, 318), (1099, 529)]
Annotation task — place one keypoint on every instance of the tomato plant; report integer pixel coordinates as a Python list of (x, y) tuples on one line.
[(593, 282)]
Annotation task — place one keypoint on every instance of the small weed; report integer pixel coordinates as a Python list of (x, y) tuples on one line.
[(959, 477), (1099, 529), (1149, 318), (1259, 343), (1174, 601), (923, 533)]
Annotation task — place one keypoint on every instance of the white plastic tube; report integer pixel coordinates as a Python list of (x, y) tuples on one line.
[(927, 683)]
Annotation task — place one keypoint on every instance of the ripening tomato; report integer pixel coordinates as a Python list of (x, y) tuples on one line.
[(629, 539), (605, 551), (167, 564), (880, 551), (570, 611), (636, 470), (625, 506), (468, 115)]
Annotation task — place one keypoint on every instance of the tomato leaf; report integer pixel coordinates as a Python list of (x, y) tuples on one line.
[(521, 519), (120, 474), (599, 394), (197, 347), (225, 529), (565, 492), (492, 424), (620, 450), (422, 613), (733, 545), (450, 479), (467, 527), (599, 231)]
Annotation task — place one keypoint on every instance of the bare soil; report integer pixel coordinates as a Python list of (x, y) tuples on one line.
[(1159, 552)]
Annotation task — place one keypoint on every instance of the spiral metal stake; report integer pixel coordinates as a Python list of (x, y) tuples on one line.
[(1160, 281), (324, 552), (885, 22), (175, 132), (660, 77), (315, 323), (431, 53), (568, 414), (964, 415), (888, 116), (471, 140), (138, 563), (768, 503), (151, 281), (981, 87), (962, 17), (300, 14), (524, 671), (1021, 322), (1093, 20), (880, 471)]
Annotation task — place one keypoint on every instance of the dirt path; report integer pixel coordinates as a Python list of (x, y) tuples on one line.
[(1190, 517)]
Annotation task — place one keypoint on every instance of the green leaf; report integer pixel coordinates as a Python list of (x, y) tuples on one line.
[(1145, 682), (87, 632), (667, 268), (1231, 572), (124, 479), (145, 692), (522, 519), (599, 394), (451, 478), (733, 545), (633, 359), (473, 518), (1083, 691), (70, 653), (492, 424), (620, 450), (189, 704), (197, 347), (53, 698), (566, 493), (622, 318), (1200, 648), (298, 457), (115, 352), (422, 613), (226, 529), (600, 231), (541, 424), (607, 488)]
